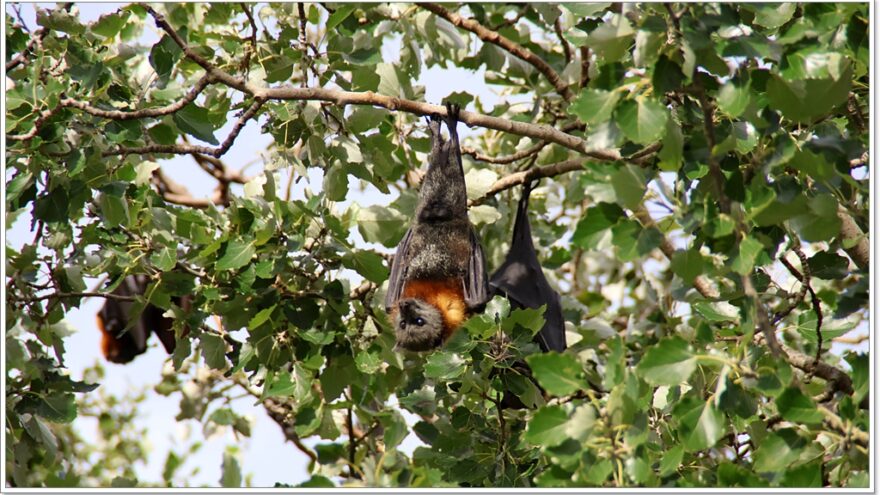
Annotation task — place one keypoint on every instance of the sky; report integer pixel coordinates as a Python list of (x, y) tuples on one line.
[(265, 455)]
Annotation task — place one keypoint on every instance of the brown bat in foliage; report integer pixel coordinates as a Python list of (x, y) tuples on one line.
[(438, 276), (120, 345)]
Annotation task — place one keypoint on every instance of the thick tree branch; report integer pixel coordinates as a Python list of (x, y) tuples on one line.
[(860, 251), (519, 155), (530, 175), (68, 295), (542, 132), (838, 379), (514, 48)]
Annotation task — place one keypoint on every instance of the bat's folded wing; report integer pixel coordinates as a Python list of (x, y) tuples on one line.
[(398, 273)]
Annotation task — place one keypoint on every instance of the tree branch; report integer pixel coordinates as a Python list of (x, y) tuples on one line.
[(508, 45), (68, 295), (190, 96), (22, 57), (860, 251), (519, 155), (838, 379), (701, 283), (530, 175), (542, 132), (585, 66), (566, 48)]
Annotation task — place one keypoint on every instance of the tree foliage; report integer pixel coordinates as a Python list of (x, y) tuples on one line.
[(703, 213)]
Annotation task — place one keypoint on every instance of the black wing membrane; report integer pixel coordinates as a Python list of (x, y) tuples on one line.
[(398, 272), (476, 288), (522, 280)]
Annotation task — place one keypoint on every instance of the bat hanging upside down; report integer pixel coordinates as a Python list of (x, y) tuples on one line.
[(522, 280), (120, 345), (438, 276)]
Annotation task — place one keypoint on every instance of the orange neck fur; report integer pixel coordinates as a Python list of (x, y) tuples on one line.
[(445, 295)]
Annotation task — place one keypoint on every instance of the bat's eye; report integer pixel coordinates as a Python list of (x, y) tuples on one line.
[(402, 324), (420, 321)]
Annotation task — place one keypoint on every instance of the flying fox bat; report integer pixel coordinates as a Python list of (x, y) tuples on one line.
[(120, 345), (522, 280), (438, 276)]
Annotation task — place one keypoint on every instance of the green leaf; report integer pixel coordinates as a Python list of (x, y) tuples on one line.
[(802, 100), (594, 106), (368, 362), (558, 374), (773, 15), (829, 266), (749, 249), (214, 350), (701, 423), (342, 12), (282, 385), (807, 475), (672, 152), (581, 423), (717, 311), (231, 472), (642, 120), (548, 427), (109, 25), (687, 264), (238, 254), (733, 98), (163, 56), (778, 450), (444, 366), (671, 460), (795, 406), (336, 183), (629, 186), (261, 317), (531, 319), (114, 209), (195, 121), (383, 225), (595, 226), (612, 38), (165, 259), (669, 362), (368, 264), (57, 407)]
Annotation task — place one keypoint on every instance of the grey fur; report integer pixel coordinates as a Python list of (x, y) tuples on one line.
[(441, 244)]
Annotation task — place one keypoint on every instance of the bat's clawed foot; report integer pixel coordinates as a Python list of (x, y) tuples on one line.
[(433, 124), (452, 112)]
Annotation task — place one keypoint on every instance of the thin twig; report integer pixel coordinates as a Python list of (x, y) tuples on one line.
[(566, 48), (22, 57)]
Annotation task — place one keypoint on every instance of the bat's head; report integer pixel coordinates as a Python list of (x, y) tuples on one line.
[(418, 325)]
